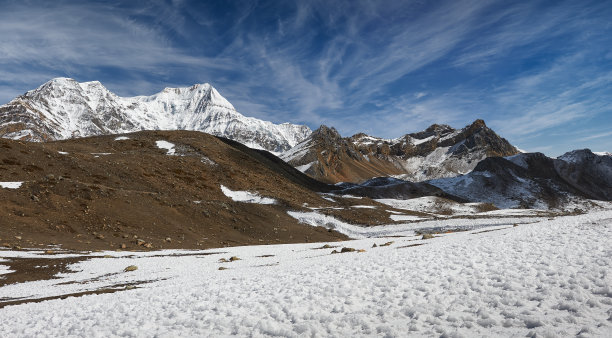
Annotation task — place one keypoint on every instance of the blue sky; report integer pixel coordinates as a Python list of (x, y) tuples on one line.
[(538, 72)]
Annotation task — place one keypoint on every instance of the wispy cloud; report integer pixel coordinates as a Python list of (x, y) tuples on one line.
[(596, 136)]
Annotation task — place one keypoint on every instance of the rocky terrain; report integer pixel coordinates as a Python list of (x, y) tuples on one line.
[(64, 108), (437, 152), (533, 180)]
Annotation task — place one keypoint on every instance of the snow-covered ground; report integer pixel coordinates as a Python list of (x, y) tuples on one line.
[(548, 278), (246, 196), (10, 185)]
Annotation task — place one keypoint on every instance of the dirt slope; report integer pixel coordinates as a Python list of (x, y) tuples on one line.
[(102, 193)]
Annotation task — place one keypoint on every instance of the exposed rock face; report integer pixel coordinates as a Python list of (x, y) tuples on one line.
[(588, 172), (63, 108), (533, 180), (388, 187), (439, 151)]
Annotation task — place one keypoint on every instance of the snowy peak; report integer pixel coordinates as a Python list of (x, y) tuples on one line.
[(582, 155), (63, 108)]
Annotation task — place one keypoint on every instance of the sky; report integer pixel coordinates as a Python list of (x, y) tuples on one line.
[(538, 72)]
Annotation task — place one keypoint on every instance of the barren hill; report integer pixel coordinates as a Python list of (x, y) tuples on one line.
[(170, 189)]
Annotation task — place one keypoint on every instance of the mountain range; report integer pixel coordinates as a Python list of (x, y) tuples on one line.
[(64, 108), (471, 164), (437, 152)]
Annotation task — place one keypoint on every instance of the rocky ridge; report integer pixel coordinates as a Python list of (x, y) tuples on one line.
[(437, 152)]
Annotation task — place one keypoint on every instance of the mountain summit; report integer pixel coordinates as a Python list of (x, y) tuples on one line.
[(436, 152), (64, 108)]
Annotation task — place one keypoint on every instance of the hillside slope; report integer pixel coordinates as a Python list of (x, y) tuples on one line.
[(189, 187)]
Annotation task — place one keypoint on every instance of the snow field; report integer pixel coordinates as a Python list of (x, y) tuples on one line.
[(550, 278), (246, 197)]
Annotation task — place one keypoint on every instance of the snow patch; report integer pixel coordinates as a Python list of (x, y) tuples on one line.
[(161, 144), (405, 218), (246, 196), (122, 138), (305, 167), (10, 185), (416, 141)]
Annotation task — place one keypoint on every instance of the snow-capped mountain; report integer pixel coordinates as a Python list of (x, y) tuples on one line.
[(437, 152), (63, 108), (533, 180)]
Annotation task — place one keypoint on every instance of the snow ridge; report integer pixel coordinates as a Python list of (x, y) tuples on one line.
[(63, 108)]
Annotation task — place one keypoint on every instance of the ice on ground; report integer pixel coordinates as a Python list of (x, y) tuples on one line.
[(62, 153), (515, 212), (325, 197), (317, 219), (121, 138), (4, 269), (405, 217), (161, 144), (551, 278), (350, 196), (432, 204), (246, 196), (10, 185), (363, 206)]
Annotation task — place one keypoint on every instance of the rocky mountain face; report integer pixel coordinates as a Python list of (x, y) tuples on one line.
[(588, 172), (532, 180), (389, 187), (437, 152), (64, 108)]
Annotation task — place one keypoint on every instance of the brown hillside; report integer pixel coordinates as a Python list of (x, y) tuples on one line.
[(106, 193)]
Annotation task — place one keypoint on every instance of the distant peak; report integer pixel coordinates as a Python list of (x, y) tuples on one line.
[(204, 86), (94, 83), (360, 136), (62, 79), (478, 123), (325, 129), (326, 132), (436, 128)]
